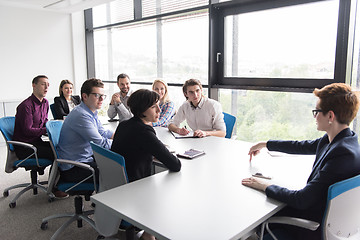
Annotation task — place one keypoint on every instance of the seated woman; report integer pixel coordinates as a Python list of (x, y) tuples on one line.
[(337, 158), (66, 102), (135, 139), (167, 107)]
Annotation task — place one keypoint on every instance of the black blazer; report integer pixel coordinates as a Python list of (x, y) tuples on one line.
[(334, 162), (62, 107)]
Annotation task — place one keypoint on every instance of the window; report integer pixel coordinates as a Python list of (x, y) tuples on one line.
[(261, 44), (264, 115), (174, 48), (279, 45)]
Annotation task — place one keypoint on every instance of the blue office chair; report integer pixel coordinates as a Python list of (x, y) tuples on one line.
[(32, 163), (341, 219), (229, 122), (73, 188), (112, 174), (52, 108)]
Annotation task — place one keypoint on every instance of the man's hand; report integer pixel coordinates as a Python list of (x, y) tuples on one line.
[(200, 133), (182, 131), (115, 99)]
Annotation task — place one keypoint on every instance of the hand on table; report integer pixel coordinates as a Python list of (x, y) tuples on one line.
[(200, 134), (255, 183)]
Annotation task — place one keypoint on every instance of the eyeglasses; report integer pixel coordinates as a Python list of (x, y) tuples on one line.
[(316, 111), (98, 95)]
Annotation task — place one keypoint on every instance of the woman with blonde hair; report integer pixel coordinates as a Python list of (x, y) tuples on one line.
[(167, 107)]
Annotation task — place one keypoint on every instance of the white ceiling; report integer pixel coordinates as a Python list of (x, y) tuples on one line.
[(65, 6)]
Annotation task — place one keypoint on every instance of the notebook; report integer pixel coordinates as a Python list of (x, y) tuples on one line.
[(178, 136), (191, 153)]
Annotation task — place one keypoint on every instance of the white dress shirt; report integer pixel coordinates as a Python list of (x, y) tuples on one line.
[(207, 116)]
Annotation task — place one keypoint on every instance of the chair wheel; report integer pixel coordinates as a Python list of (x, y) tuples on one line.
[(100, 237), (12, 205), (51, 199), (6, 193), (44, 225)]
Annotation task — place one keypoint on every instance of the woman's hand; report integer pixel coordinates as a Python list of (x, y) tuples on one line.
[(255, 183), (255, 150)]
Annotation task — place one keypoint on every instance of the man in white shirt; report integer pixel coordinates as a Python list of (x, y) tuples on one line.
[(203, 115), (118, 105)]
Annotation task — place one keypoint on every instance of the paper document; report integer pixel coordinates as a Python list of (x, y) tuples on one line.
[(177, 136)]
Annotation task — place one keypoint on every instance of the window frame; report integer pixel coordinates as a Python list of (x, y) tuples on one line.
[(217, 14)]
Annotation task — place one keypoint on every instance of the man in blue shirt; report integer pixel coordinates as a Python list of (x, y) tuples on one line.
[(80, 127)]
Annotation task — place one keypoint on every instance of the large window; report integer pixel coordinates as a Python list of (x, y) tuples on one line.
[(261, 59), (288, 45), (261, 44)]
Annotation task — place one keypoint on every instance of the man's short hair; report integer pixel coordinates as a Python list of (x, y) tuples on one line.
[(141, 100), (88, 85), (122, 75), (191, 82), (36, 79)]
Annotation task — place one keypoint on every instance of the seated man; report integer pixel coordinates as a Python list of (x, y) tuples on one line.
[(118, 104), (79, 128), (30, 119), (203, 115)]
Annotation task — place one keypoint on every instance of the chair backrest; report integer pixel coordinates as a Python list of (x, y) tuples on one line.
[(112, 173), (342, 215), (52, 108), (229, 122), (53, 129), (7, 125)]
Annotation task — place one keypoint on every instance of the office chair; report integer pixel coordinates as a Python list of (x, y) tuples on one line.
[(73, 188), (52, 108), (112, 174), (341, 219), (229, 122), (32, 163)]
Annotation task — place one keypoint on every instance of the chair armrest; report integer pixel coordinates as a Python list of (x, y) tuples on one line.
[(289, 221), (84, 166), (311, 225), (28, 145), (78, 164)]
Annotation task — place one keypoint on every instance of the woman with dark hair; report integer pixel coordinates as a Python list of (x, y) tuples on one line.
[(337, 158), (66, 102), (135, 139)]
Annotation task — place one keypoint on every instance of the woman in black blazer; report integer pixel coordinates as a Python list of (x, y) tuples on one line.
[(66, 102), (337, 158)]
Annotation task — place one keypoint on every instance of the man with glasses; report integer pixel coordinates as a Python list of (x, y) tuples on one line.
[(118, 104), (81, 126)]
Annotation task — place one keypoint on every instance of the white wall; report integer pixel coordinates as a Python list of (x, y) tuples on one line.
[(39, 42)]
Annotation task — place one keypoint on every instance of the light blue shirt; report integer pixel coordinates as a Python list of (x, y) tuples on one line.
[(79, 128)]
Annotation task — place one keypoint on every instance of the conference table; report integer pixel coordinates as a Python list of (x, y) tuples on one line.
[(206, 199)]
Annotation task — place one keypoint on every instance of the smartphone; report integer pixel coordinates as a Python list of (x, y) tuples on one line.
[(259, 175)]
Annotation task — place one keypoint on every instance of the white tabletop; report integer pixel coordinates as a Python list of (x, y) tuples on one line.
[(205, 200)]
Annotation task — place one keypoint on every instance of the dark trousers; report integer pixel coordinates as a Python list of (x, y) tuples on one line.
[(77, 174), (43, 150)]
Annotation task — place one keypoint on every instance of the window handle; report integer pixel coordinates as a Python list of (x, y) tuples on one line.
[(218, 57)]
